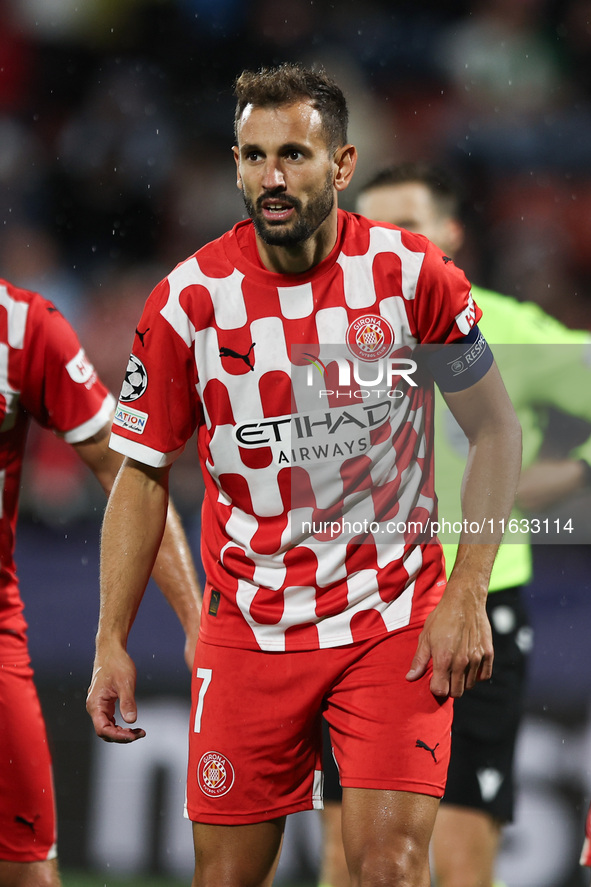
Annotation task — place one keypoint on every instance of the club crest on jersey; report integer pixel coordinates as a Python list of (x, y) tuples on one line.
[(370, 337), (135, 382), (215, 774)]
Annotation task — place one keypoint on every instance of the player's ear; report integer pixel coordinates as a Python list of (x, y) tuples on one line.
[(236, 154), (454, 235), (345, 159)]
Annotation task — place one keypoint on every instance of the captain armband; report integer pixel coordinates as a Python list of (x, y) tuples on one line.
[(462, 363)]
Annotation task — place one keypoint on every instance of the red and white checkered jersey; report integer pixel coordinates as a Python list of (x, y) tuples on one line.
[(44, 374), (311, 490)]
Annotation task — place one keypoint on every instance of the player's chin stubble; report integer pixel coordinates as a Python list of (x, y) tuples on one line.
[(308, 221)]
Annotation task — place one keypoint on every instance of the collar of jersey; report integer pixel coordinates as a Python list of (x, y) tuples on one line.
[(242, 251)]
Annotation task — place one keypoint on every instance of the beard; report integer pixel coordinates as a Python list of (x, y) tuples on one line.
[(306, 223)]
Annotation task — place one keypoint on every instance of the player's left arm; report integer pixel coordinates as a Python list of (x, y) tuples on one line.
[(457, 634), (174, 570)]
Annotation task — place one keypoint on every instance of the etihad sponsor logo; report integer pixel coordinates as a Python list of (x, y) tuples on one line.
[(133, 420), (323, 435), (369, 337), (335, 452), (81, 370), (282, 429)]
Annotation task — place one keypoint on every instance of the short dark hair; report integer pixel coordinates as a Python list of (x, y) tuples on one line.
[(289, 83), (445, 191)]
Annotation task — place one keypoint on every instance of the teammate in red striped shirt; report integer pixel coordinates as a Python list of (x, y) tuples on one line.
[(45, 375)]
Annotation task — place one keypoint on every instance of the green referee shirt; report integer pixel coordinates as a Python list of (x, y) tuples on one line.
[(537, 378)]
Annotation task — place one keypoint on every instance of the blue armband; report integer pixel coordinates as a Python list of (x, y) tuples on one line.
[(462, 363)]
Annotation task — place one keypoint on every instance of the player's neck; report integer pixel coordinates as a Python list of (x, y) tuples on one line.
[(302, 257)]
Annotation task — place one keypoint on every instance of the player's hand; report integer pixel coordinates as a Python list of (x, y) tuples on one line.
[(458, 639), (113, 679)]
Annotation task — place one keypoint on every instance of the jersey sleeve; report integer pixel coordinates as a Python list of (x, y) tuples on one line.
[(158, 405), (61, 389), (443, 308)]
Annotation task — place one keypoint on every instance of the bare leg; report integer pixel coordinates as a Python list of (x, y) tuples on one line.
[(237, 855), (465, 846), (29, 874), (386, 836), (333, 867)]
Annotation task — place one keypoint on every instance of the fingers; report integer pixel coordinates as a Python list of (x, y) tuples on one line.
[(419, 663), (107, 729), (103, 694), (442, 666), (441, 682), (467, 671), (485, 670), (127, 705), (122, 735), (454, 671)]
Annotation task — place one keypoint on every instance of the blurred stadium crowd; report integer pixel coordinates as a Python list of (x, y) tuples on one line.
[(116, 128)]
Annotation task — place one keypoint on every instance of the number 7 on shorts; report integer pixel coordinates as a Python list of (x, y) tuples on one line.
[(205, 675)]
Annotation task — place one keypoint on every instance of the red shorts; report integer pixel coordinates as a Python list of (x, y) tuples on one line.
[(586, 851), (255, 733), (27, 809)]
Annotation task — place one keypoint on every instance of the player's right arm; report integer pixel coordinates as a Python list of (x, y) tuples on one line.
[(457, 635), (132, 530)]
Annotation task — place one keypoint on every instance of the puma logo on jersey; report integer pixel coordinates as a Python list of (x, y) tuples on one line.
[(228, 352), (420, 744), (446, 259), (141, 335)]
